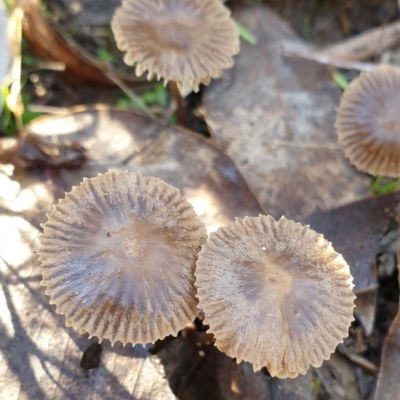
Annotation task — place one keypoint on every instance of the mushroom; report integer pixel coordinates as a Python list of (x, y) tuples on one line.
[(368, 123), (118, 257), (187, 41), (274, 293)]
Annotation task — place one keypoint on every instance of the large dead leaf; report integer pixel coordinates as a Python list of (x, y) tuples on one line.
[(126, 141), (40, 357), (274, 117)]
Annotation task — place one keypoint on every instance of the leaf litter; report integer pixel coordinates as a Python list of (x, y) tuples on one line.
[(333, 199)]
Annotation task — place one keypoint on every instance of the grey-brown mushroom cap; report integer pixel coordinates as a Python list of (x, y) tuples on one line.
[(368, 123), (118, 257), (275, 294), (188, 41)]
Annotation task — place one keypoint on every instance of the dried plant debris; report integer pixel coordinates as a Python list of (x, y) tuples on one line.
[(118, 257), (338, 379), (274, 116), (187, 41), (275, 293), (212, 375), (32, 150), (368, 123)]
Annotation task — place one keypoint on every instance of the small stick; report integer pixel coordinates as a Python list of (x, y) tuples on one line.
[(323, 58), (358, 360), (349, 53), (366, 45)]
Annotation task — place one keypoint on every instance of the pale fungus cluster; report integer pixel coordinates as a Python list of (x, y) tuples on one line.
[(124, 256), (118, 256)]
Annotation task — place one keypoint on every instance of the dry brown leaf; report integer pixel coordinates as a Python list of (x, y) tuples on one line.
[(124, 140), (274, 116)]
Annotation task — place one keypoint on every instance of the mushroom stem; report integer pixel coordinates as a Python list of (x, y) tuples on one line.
[(179, 101)]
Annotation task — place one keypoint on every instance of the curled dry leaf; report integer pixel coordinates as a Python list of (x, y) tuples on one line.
[(188, 41), (275, 293)]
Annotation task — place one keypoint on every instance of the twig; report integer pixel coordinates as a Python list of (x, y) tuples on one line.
[(321, 57), (349, 53), (365, 45), (358, 360)]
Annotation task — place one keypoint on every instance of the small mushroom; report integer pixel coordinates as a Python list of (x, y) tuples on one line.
[(118, 257), (368, 123), (187, 41), (274, 293)]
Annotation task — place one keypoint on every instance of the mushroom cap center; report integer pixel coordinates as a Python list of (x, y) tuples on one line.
[(388, 118), (266, 277), (138, 251), (174, 36)]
